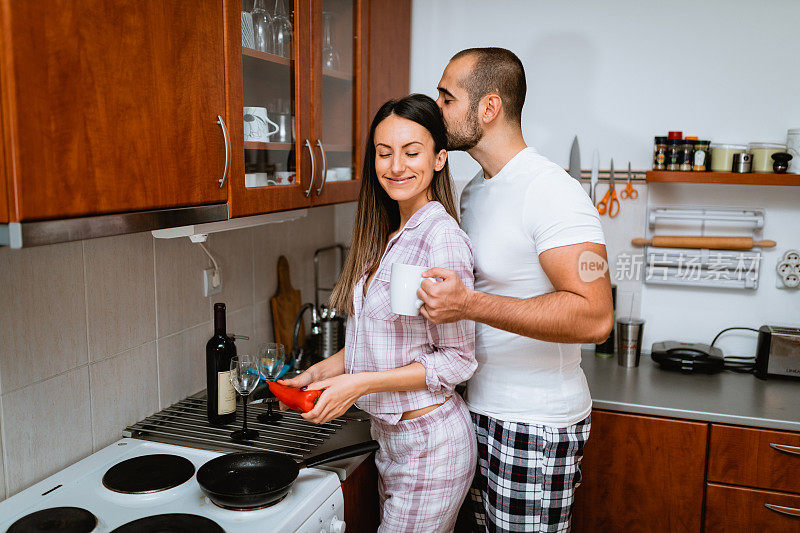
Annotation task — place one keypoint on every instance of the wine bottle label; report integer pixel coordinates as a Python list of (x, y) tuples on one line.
[(226, 401)]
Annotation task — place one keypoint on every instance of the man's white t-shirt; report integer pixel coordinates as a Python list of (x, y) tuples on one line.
[(530, 206)]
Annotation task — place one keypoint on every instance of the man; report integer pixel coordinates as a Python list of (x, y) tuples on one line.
[(532, 228)]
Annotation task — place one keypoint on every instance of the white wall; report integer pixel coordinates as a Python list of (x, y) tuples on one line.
[(619, 72)]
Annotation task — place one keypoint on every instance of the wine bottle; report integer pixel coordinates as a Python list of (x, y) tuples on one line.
[(220, 349)]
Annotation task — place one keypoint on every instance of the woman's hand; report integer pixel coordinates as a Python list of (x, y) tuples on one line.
[(303, 380), (339, 393)]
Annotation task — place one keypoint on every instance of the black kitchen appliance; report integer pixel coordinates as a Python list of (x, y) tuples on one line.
[(687, 357), (778, 352)]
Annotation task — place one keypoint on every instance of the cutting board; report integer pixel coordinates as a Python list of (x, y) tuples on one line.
[(285, 305)]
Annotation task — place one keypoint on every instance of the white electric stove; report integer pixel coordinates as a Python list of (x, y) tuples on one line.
[(314, 504)]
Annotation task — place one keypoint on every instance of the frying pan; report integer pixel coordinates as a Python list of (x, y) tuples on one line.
[(250, 480)]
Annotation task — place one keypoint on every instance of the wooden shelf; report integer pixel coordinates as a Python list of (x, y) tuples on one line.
[(729, 178), (267, 146), (337, 74), (264, 56)]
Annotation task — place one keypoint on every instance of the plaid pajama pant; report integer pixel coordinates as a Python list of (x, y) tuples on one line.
[(526, 476), (426, 465)]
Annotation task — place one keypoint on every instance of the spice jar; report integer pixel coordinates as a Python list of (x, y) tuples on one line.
[(700, 156), (686, 160), (674, 154), (660, 153)]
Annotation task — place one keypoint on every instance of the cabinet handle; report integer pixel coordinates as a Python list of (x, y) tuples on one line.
[(222, 125), (788, 511), (792, 450), (311, 153), (324, 167)]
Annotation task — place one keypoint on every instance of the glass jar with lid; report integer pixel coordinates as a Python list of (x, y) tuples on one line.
[(674, 154), (660, 153), (687, 151), (700, 157)]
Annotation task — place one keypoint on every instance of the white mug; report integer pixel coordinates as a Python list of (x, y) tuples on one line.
[(257, 125), (403, 286)]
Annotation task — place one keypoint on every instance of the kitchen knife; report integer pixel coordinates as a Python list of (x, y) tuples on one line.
[(595, 176), (575, 160)]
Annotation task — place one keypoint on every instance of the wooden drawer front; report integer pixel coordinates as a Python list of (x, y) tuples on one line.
[(744, 456), (740, 509)]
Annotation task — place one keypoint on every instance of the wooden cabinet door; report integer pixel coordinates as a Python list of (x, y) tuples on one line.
[(274, 172), (4, 169), (641, 473), (361, 504), (113, 105), (739, 509), (339, 35)]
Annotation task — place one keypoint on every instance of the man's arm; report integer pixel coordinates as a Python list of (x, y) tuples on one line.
[(577, 311)]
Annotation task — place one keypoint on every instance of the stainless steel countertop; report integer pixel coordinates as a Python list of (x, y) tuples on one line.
[(726, 397)]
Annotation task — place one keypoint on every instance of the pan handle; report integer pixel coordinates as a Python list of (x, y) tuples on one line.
[(340, 453)]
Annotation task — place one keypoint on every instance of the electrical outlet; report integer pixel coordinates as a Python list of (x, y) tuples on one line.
[(788, 269), (211, 284)]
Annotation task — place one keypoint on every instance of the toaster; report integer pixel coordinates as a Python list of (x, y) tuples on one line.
[(778, 352)]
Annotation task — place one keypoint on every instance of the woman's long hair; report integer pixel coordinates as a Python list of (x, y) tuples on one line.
[(378, 215)]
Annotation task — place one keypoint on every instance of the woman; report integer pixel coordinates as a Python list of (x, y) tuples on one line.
[(402, 370)]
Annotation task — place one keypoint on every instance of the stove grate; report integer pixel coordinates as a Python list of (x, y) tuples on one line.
[(185, 423)]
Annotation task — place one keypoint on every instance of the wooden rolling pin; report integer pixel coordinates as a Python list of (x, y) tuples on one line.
[(708, 243)]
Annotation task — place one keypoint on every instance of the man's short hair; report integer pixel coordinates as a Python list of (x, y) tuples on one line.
[(498, 71)]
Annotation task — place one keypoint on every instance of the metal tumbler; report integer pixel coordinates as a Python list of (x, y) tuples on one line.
[(629, 341)]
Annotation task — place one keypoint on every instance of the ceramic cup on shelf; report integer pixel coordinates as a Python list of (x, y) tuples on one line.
[(257, 125), (793, 148)]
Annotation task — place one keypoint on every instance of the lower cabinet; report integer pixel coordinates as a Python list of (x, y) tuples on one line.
[(647, 473), (641, 473), (740, 509), (361, 504)]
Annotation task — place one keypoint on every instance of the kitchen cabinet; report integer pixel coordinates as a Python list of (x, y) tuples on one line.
[(641, 473), (322, 88), (114, 109), (738, 509), (361, 504), (111, 107), (753, 480)]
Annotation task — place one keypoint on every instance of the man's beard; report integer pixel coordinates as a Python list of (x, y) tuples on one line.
[(468, 136)]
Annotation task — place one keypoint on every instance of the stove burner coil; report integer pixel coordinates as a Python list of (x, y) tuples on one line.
[(56, 520), (174, 523), (148, 473)]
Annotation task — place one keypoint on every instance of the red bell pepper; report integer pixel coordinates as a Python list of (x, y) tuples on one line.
[(297, 399)]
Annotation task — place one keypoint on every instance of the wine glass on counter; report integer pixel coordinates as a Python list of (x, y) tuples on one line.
[(245, 378), (271, 357)]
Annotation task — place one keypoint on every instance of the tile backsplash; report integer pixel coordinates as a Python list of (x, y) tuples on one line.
[(99, 334)]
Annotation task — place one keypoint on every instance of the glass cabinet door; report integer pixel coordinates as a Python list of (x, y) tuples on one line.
[(337, 40), (276, 159)]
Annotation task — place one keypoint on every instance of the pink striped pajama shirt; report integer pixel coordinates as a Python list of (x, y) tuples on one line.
[(426, 464)]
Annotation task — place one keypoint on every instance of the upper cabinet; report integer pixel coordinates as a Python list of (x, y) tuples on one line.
[(242, 106), (297, 77), (112, 107)]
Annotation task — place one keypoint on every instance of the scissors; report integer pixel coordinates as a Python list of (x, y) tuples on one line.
[(610, 200), (629, 192)]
